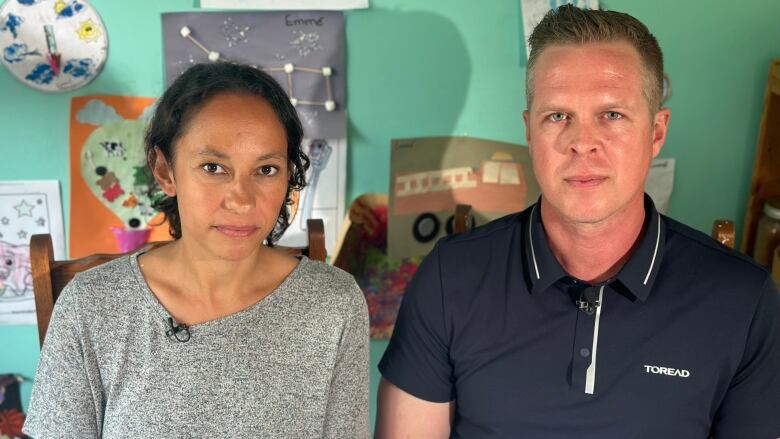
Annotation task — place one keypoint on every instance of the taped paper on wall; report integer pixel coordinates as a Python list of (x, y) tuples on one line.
[(288, 5), (26, 208)]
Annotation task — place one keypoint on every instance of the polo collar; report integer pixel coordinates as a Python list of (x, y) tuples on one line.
[(637, 275)]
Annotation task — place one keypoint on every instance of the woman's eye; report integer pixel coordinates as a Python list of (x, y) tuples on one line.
[(268, 170), (557, 117), (213, 168), (613, 115)]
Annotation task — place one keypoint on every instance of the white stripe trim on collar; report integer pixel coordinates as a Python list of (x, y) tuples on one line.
[(655, 252), (531, 241)]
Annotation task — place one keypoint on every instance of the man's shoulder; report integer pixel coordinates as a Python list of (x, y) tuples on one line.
[(484, 235), (685, 245)]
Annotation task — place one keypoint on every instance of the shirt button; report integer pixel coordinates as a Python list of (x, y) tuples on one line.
[(584, 352)]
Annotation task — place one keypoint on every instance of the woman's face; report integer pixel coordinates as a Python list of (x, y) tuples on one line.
[(230, 175)]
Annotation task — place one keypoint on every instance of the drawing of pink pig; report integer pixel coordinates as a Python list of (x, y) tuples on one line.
[(15, 272)]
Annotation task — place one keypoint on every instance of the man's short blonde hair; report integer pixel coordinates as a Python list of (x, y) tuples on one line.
[(571, 25)]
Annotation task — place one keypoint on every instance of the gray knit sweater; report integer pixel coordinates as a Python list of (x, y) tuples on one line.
[(294, 365)]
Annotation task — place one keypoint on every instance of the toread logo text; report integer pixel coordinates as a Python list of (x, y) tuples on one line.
[(667, 371)]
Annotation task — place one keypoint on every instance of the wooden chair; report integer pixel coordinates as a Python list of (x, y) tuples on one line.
[(723, 232), (462, 218), (50, 276)]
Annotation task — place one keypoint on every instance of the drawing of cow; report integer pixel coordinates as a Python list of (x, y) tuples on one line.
[(113, 149)]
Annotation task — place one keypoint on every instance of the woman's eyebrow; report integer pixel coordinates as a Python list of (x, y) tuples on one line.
[(212, 153), (273, 155)]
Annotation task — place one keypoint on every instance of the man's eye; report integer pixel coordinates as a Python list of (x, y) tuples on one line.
[(557, 117), (213, 168), (613, 115), (268, 170)]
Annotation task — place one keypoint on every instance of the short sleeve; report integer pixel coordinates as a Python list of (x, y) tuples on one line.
[(63, 402), (347, 412), (750, 407), (417, 358)]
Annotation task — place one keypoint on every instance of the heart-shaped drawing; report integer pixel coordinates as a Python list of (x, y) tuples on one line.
[(113, 166)]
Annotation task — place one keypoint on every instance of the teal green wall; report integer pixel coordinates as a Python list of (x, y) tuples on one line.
[(438, 67)]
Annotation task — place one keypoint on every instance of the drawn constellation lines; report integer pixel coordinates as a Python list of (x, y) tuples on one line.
[(329, 104)]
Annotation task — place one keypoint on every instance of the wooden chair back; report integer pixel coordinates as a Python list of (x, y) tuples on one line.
[(463, 218), (723, 232), (50, 276)]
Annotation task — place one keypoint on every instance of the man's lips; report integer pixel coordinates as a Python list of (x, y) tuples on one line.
[(585, 181), (236, 231)]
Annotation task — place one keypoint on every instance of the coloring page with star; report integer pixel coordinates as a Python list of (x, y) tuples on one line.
[(52, 45), (26, 208)]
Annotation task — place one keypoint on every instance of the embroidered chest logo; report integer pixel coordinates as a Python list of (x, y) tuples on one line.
[(667, 371)]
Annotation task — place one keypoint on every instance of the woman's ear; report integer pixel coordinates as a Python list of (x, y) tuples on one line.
[(163, 173)]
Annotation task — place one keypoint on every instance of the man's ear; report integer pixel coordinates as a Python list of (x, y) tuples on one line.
[(660, 128), (527, 121), (163, 173)]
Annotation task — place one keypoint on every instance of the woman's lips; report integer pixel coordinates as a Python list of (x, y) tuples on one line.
[(236, 231)]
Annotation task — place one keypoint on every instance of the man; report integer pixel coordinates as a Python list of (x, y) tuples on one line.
[(588, 315)]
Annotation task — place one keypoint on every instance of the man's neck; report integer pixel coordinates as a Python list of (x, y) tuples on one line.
[(594, 252)]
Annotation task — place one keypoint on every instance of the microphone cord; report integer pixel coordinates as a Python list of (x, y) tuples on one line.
[(174, 331)]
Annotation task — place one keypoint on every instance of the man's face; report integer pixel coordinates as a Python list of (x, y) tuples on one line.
[(590, 132)]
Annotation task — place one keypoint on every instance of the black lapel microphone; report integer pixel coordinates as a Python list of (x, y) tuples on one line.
[(589, 300), (174, 331)]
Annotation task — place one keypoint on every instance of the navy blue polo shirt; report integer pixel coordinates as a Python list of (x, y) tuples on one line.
[(684, 342)]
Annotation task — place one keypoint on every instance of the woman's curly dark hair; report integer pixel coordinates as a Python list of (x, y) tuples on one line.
[(188, 93)]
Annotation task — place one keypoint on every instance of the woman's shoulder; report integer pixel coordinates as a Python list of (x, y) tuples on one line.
[(104, 283), (326, 283)]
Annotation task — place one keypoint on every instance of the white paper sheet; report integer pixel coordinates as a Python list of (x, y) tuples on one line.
[(26, 208), (323, 197), (287, 5), (534, 10), (660, 182)]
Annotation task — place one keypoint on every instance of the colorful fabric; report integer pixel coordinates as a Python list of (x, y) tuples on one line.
[(11, 414), (364, 255)]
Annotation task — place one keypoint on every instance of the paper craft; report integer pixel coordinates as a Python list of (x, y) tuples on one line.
[(304, 52), (324, 196), (534, 10), (110, 205), (26, 208), (660, 182), (430, 176), (288, 5)]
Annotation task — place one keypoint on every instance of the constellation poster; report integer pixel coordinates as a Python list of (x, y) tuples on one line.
[(286, 5), (26, 208), (110, 209), (304, 52)]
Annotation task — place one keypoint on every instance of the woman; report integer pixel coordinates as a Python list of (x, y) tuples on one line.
[(216, 334)]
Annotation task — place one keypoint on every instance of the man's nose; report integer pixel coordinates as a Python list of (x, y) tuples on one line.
[(585, 137)]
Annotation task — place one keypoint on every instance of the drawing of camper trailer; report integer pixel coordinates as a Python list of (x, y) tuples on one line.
[(497, 186)]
